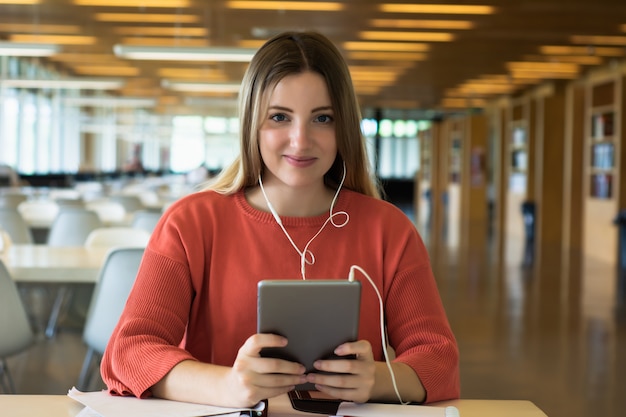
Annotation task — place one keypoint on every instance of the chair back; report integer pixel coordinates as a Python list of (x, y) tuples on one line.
[(108, 211), (38, 211), (13, 223), (118, 237), (130, 202), (146, 220), (15, 328), (117, 277), (5, 241), (12, 200), (72, 226), (69, 202)]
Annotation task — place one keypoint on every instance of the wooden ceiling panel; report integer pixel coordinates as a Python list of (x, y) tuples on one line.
[(516, 32)]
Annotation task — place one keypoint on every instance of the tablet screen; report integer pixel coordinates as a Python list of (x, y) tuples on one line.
[(315, 316)]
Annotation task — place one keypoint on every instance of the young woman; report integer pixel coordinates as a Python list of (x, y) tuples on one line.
[(299, 202)]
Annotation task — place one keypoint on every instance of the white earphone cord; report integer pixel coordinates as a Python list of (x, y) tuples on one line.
[(306, 252), (304, 261), (383, 334)]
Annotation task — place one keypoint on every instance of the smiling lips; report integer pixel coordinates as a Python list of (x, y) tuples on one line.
[(300, 162)]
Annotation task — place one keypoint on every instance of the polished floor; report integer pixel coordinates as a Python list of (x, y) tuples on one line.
[(525, 331)]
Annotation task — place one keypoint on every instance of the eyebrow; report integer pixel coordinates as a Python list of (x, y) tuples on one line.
[(287, 109)]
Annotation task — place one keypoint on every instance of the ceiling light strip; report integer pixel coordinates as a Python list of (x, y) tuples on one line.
[(199, 87), (146, 18), (582, 50), (406, 36), (438, 9), (599, 40), (131, 102), (386, 56), (40, 28), (212, 54), (302, 6), (20, 2), (386, 46), (135, 3), (27, 49), (421, 24), (176, 31), (61, 84), (58, 39)]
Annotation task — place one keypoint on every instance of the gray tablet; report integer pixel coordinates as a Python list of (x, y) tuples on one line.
[(315, 316)]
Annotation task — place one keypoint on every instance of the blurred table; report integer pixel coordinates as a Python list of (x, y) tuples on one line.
[(63, 406), (53, 264)]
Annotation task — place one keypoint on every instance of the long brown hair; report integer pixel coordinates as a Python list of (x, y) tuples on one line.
[(292, 53)]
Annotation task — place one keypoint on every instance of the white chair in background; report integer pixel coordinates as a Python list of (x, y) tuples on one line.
[(65, 194), (112, 237), (130, 202), (146, 220), (13, 223), (70, 228), (12, 200), (117, 277), (16, 333), (38, 212), (110, 212), (90, 190), (149, 198), (5, 241), (69, 202)]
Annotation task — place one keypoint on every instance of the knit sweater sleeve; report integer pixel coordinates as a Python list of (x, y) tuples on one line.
[(147, 342)]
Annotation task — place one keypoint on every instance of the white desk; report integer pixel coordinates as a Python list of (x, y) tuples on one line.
[(53, 265), (63, 406), (45, 224)]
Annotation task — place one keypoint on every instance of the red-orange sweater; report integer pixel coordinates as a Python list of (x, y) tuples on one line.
[(195, 293)]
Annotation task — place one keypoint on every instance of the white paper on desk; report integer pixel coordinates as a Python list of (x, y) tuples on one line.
[(111, 406), (380, 410)]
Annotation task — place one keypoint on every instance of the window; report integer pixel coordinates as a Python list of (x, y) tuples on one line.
[(399, 146), (9, 114), (187, 149), (27, 133)]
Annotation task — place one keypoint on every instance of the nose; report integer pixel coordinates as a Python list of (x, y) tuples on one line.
[(299, 135)]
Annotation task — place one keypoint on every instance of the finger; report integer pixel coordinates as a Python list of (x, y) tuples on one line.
[(277, 366), (361, 348), (346, 387), (356, 395), (342, 381), (344, 366), (281, 381), (256, 342)]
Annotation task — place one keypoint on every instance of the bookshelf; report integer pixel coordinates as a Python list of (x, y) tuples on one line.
[(456, 151), (455, 137), (426, 154), (424, 185), (602, 151), (517, 159), (601, 165), (601, 139), (518, 156)]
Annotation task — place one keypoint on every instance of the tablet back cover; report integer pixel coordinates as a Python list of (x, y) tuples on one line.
[(316, 316)]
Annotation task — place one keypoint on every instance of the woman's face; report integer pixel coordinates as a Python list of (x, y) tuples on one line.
[(297, 137)]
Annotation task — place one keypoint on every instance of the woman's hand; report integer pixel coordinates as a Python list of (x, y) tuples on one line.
[(352, 379), (253, 378)]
